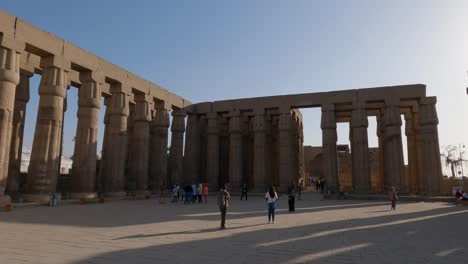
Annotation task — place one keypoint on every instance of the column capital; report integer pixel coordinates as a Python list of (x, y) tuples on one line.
[(119, 104), (54, 82), (235, 123), (259, 125), (9, 65), (144, 104), (428, 112), (328, 117), (212, 125), (285, 122), (22, 90), (178, 120), (89, 94)]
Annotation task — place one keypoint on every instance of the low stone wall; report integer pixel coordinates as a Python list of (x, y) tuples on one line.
[(447, 184)]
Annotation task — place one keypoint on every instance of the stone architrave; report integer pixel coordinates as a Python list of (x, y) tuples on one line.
[(235, 151), (259, 169), (411, 124), (158, 156), (192, 150), (360, 149), (139, 167), (16, 146), (9, 79), (212, 151), (45, 155), (285, 145), (329, 138), (394, 168), (84, 158), (428, 132), (177, 146), (116, 149)]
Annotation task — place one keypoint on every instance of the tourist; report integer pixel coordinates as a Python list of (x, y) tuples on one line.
[(244, 191), (194, 193), (199, 192), (271, 197), (223, 204), (178, 192), (317, 184), (174, 194), (458, 194), (465, 196), (393, 198), (205, 192), (188, 194), (322, 184), (291, 200)]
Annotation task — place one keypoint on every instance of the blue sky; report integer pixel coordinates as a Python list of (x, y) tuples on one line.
[(212, 50)]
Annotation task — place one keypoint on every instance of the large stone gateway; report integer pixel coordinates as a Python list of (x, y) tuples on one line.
[(256, 141)]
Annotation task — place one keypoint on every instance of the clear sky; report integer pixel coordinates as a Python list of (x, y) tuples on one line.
[(212, 50)]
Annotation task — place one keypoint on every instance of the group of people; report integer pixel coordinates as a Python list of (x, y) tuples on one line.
[(461, 195), (320, 184), (189, 194), (271, 198)]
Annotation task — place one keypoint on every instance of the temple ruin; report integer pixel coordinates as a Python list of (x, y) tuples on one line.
[(258, 141)]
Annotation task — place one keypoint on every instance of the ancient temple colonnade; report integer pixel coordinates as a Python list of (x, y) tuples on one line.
[(256, 141), (136, 119)]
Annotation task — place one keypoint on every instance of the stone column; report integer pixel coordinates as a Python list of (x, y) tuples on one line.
[(212, 151), (431, 165), (16, 146), (411, 122), (9, 79), (84, 158), (286, 146), (177, 147), (141, 143), (379, 181), (45, 155), (116, 148), (259, 170), (103, 164), (158, 155), (329, 138), (192, 150), (394, 168), (235, 151), (360, 149)]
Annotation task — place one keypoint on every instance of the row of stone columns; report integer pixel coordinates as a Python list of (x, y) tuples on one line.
[(148, 164), (424, 168), (287, 148)]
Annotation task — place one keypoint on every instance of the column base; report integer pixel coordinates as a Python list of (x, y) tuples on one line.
[(4, 200), (142, 194), (36, 198), (115, 195), (77, 196)]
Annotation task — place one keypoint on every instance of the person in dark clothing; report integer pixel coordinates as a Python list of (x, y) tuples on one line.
[(291, 200), (244, 192), (188, 194), (223, 204)]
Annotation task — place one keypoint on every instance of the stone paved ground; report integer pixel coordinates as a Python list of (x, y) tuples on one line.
[(318, 232)]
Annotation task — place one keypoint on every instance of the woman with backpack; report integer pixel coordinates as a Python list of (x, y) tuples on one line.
[(271, 197)]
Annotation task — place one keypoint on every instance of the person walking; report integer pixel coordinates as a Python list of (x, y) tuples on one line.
[(174, 193), (291, 200), (393, 198), (244, 192), (188, 194), (194, 193), (199, 192), (223, 204), (317, 185), (205, 192), (271, 197)]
